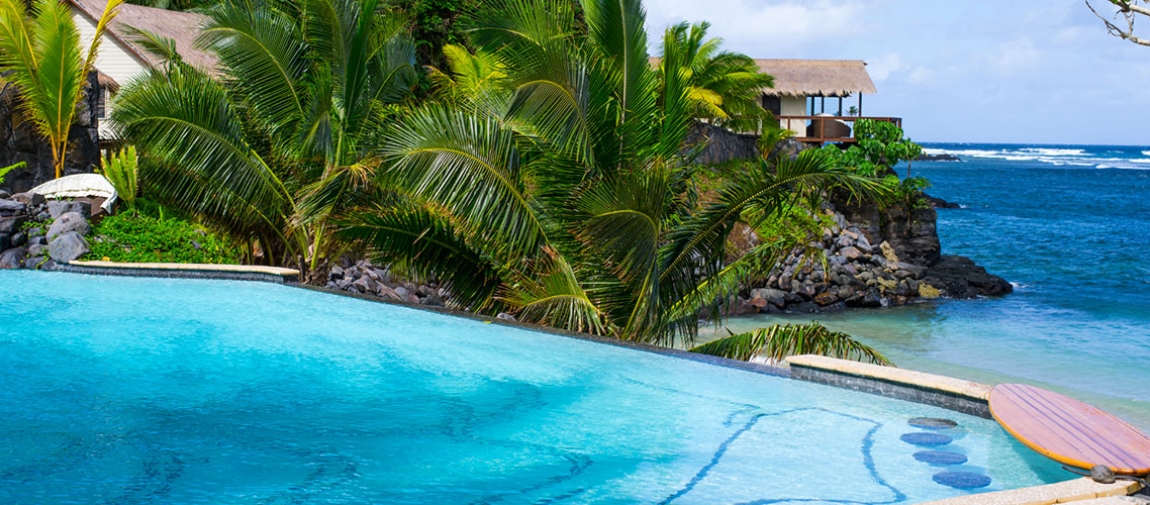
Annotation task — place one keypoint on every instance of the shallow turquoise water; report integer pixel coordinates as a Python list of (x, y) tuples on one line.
[(131, 391), (1070, 227)]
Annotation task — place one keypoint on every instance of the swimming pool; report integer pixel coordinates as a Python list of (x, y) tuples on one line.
[(128, 390)]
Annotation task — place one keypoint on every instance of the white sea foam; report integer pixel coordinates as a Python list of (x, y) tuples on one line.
[(1045, 151), (1147, 153)]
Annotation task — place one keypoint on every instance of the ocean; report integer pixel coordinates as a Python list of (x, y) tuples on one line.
[(1069, 227)]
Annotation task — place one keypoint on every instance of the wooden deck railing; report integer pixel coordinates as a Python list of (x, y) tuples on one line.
[(821, 129)]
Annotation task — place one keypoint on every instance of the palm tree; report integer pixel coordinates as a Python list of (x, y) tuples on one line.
[(779, 341), (725, 87), (41, 54), (556, 189), (283, 138)]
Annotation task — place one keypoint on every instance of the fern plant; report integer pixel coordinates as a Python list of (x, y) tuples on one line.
[(4, 170), (781, 340), (121, 169)]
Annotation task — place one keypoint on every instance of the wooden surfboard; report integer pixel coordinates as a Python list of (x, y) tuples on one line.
[(1069, 431)]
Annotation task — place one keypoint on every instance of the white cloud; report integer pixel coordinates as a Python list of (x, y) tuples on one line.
[(920, 75), (1015, 56), (882, 67)]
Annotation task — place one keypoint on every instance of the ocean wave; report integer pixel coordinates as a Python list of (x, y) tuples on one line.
[(1047, 151), (1146, 153)]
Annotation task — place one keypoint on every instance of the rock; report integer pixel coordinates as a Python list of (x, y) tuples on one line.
[(776, 297), (403, 292), (835, 307), (12, 258), (12, 207), (850, 253), (57, 208), (4, 194), (32, 262), (68, 246), (825, 299), (914, 270), (19, 239), (336, 272), (432, 301), (927, 291), (937, 157), (10, 225), (505, 316), (68, 222), (48, 266), (29, 198), (804, 308), (939, 203), (364, 285), (5, 241), (888, 252), (962, 278), (845, 293), (867, 299), (863, 244), (386, 292)]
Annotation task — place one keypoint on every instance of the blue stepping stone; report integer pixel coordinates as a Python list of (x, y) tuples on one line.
[(932, 423), (940, 457), (962, 480), (926, 439)]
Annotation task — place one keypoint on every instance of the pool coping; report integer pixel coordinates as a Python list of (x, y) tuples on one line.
[(938, 390), (259, 273), (908, 385)]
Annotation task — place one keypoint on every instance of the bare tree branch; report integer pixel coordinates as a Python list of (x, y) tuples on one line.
[(1121, 23)]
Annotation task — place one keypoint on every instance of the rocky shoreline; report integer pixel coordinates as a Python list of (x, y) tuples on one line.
[(869, 260)]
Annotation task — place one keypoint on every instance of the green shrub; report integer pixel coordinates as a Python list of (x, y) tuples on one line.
[(133, 237)]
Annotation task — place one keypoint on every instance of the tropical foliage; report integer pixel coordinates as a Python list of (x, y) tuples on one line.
[(777, 342), (122, 171), (41, 53), (552, 182), (286, 137), (4, 170), (724, 87), (140, 236)]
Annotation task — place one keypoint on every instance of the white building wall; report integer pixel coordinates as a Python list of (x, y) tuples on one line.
[(114, 59), (794, 106)]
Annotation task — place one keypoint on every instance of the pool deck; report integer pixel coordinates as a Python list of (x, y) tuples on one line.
[(1079, 491)]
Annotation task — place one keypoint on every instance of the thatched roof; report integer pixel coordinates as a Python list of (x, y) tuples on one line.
[(182, 27), (818, 77)]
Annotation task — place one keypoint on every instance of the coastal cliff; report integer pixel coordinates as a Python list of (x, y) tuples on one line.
[(870, 258)]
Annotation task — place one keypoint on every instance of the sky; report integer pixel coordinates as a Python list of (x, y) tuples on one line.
[(996, 71)]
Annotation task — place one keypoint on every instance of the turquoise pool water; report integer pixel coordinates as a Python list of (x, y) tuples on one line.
[(132, 391)]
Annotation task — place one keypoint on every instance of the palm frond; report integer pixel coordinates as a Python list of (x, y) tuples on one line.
[(553, 295), (470, 166), (264, 54), (196, 157), (425, 244), (777, 342)]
